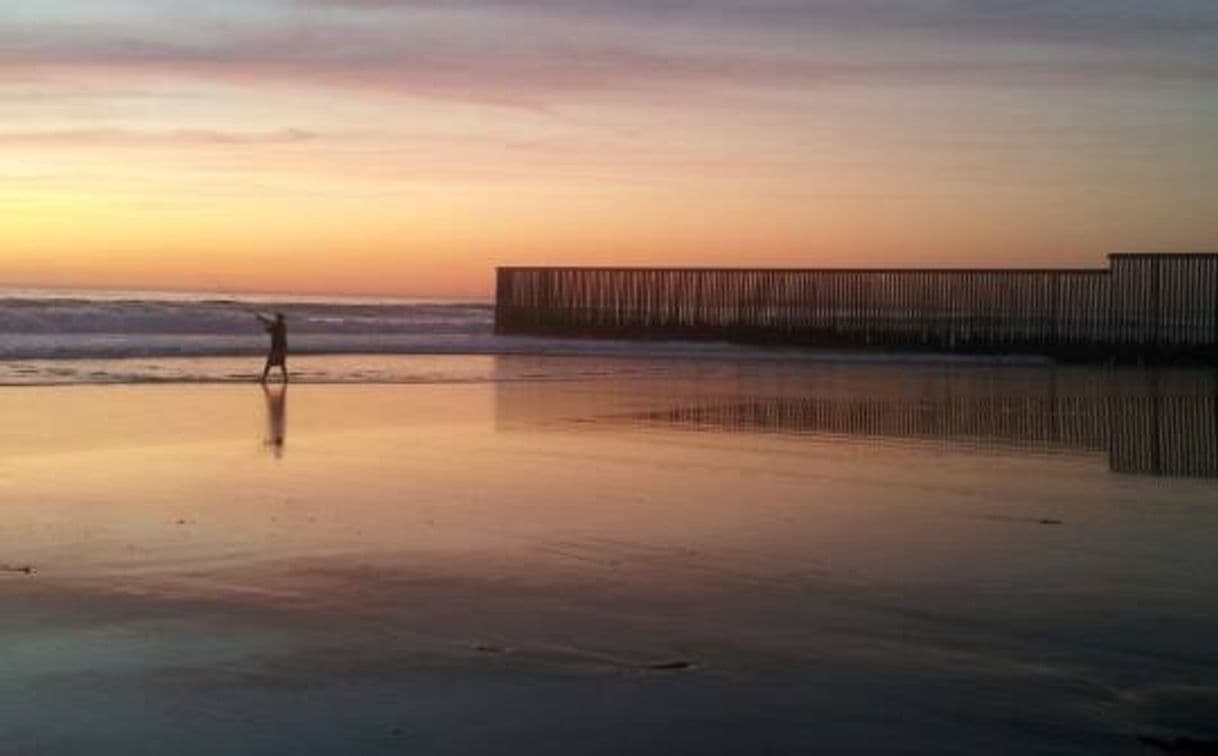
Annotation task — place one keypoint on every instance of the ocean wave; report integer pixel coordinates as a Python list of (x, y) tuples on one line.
[(110, 326), (72, 316)]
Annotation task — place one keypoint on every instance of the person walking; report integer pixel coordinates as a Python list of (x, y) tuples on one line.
[(277, 327)]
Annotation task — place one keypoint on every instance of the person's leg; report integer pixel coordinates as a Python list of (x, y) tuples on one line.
[(284, 367), (265, 370)]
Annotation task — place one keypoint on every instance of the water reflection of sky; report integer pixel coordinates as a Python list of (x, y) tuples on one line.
[(823, 546)]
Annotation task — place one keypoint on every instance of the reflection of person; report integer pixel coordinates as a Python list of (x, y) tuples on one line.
[(278, 356), (276, 417)]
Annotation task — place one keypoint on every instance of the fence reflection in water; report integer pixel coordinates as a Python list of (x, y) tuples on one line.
[(1145, 422)]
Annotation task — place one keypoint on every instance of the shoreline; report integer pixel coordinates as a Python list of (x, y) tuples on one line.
[(370, 367)]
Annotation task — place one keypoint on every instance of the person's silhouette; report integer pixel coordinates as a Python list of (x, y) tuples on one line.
[(278, 356)]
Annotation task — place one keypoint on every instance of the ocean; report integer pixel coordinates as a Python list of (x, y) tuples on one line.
[(101, 325)]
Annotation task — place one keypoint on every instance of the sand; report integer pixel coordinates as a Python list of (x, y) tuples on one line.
[(704, 560)]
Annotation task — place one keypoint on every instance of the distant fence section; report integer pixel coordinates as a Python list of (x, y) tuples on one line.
[(1154, 307)]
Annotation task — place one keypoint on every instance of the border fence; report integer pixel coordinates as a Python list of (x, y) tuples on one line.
[(1143, 307)]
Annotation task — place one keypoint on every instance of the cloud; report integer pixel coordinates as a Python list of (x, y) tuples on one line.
[(124, 137), (540, 52), (1105, 21)]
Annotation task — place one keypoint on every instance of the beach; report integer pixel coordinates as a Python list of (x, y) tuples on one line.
[(608, 378), (594, 555)]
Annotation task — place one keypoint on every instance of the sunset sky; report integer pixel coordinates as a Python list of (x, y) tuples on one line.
[(408, 146)]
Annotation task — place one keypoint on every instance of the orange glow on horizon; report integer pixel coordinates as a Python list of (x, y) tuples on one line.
[(617, 139)]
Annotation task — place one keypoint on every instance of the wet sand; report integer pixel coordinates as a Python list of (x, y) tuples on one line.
[(713, 559)]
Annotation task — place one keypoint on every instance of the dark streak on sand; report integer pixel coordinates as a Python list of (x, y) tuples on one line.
[(674, 664), (663, 665), (1184, 746), (1034, 520), (24, 569)]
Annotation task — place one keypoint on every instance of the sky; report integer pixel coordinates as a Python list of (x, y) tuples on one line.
[(406, 147)]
